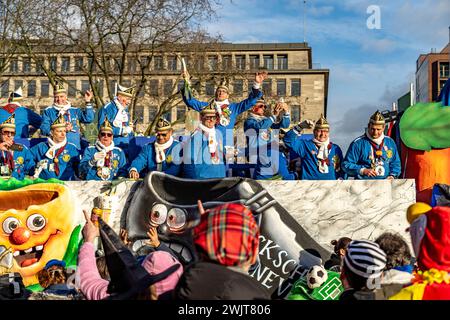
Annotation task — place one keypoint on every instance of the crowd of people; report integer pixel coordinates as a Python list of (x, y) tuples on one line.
[(205, 154)]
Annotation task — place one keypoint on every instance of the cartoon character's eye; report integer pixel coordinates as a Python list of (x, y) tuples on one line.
[(36, 222), (10, 224), (158, 215), (176, 218)]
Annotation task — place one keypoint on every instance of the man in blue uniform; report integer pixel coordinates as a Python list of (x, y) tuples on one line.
[(104, 161), (373, 155), (15, 159), (203, 156), (226, 112), (23, 116), (73, 116), (320, 158), (162, 155), (117, 111), (56, 158)]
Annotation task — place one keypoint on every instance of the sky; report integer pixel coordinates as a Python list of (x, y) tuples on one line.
[(369, 67)]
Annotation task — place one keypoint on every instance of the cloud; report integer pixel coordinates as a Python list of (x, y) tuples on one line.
[(379, 45)]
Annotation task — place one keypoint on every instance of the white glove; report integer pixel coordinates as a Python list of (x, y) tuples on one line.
[(99, 155), (127, 130), (306, 124), (43, 164)]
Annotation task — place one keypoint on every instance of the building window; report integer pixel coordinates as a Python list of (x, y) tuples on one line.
[(39, 65), (32, 88), (145, 62), (254, 61), (112, 87), (295, 114), (240, 62), (282, 62), (200, 63), (226, 62), (172, 63), (238, 87), (168, 87), (26, 65), (14, 65), (209, 88), (443, 70), (85, 86), (79, 64), (268, 62), (212, 63), (18, 84), (295, 88), (53, 63), (65, 64), (154, 84), (44, 88), (181, 112), (5, 89), (72, 90), (152, 111), (99, 87), (186, 61), (138, 113), (267, 87), (2, 64), (167, 115), (158, 63), (92, 65), (117, 63), (180, 85), (131, 65), (281, 87), (142, 90)]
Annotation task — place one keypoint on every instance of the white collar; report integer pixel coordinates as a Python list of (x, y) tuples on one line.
[(378, 140), (101, 147)]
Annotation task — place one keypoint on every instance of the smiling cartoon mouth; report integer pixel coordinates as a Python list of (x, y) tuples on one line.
[(30, 256)]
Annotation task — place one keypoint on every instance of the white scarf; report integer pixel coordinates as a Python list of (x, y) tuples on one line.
[(15, 103), (322, 154), (54, 147), (159, 149), (101, 148), (121, 116), (62, 109), (211, 135), (378, 140), (224, 121), (257, 117)]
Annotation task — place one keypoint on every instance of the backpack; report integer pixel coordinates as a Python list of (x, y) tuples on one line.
[(12, 287)]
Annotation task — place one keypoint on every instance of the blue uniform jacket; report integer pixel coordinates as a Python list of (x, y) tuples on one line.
[(235, 110), (197, 162), (110, 110), (77, 115), (146, 159), (273, 166), (117, 167), (358, 157), (23, 117), (307, 150), (67, 161), (23, 162)]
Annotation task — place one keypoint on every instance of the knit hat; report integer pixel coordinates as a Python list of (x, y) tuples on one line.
[(228, 234), (365, 259), (158, 261)]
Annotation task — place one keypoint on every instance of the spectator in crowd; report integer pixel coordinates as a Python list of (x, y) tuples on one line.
[(227, 241), (104, 161), (203, 156), (25, 117), (431, 244), (72, 115), (56, 157), (226, 112), (361, 272), (373, 155), (162, 155), (398, 272), (117, 111), (94, 287), (320, 158), (15, 159), (339, 250)]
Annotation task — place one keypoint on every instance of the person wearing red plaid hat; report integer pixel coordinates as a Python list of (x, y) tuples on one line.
[(227, 241)]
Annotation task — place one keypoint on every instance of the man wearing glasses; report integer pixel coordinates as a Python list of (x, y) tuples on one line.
[(104, 161), (163, 155), (15, 159), (203, 156)]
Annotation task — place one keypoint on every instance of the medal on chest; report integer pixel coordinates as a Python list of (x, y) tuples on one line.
[(104, 172), (377, 158)]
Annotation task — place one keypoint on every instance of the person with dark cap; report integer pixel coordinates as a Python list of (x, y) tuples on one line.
[(25, 117), (154, 278), (104, 161), (162, 155), (373, 155), (361, 272), (320, 158), (203, 152), (72, 116), (339, 250), (16, 159), (429, 230), (227, 241)]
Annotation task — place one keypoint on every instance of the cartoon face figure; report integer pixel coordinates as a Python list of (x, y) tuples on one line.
[(35, 226)]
